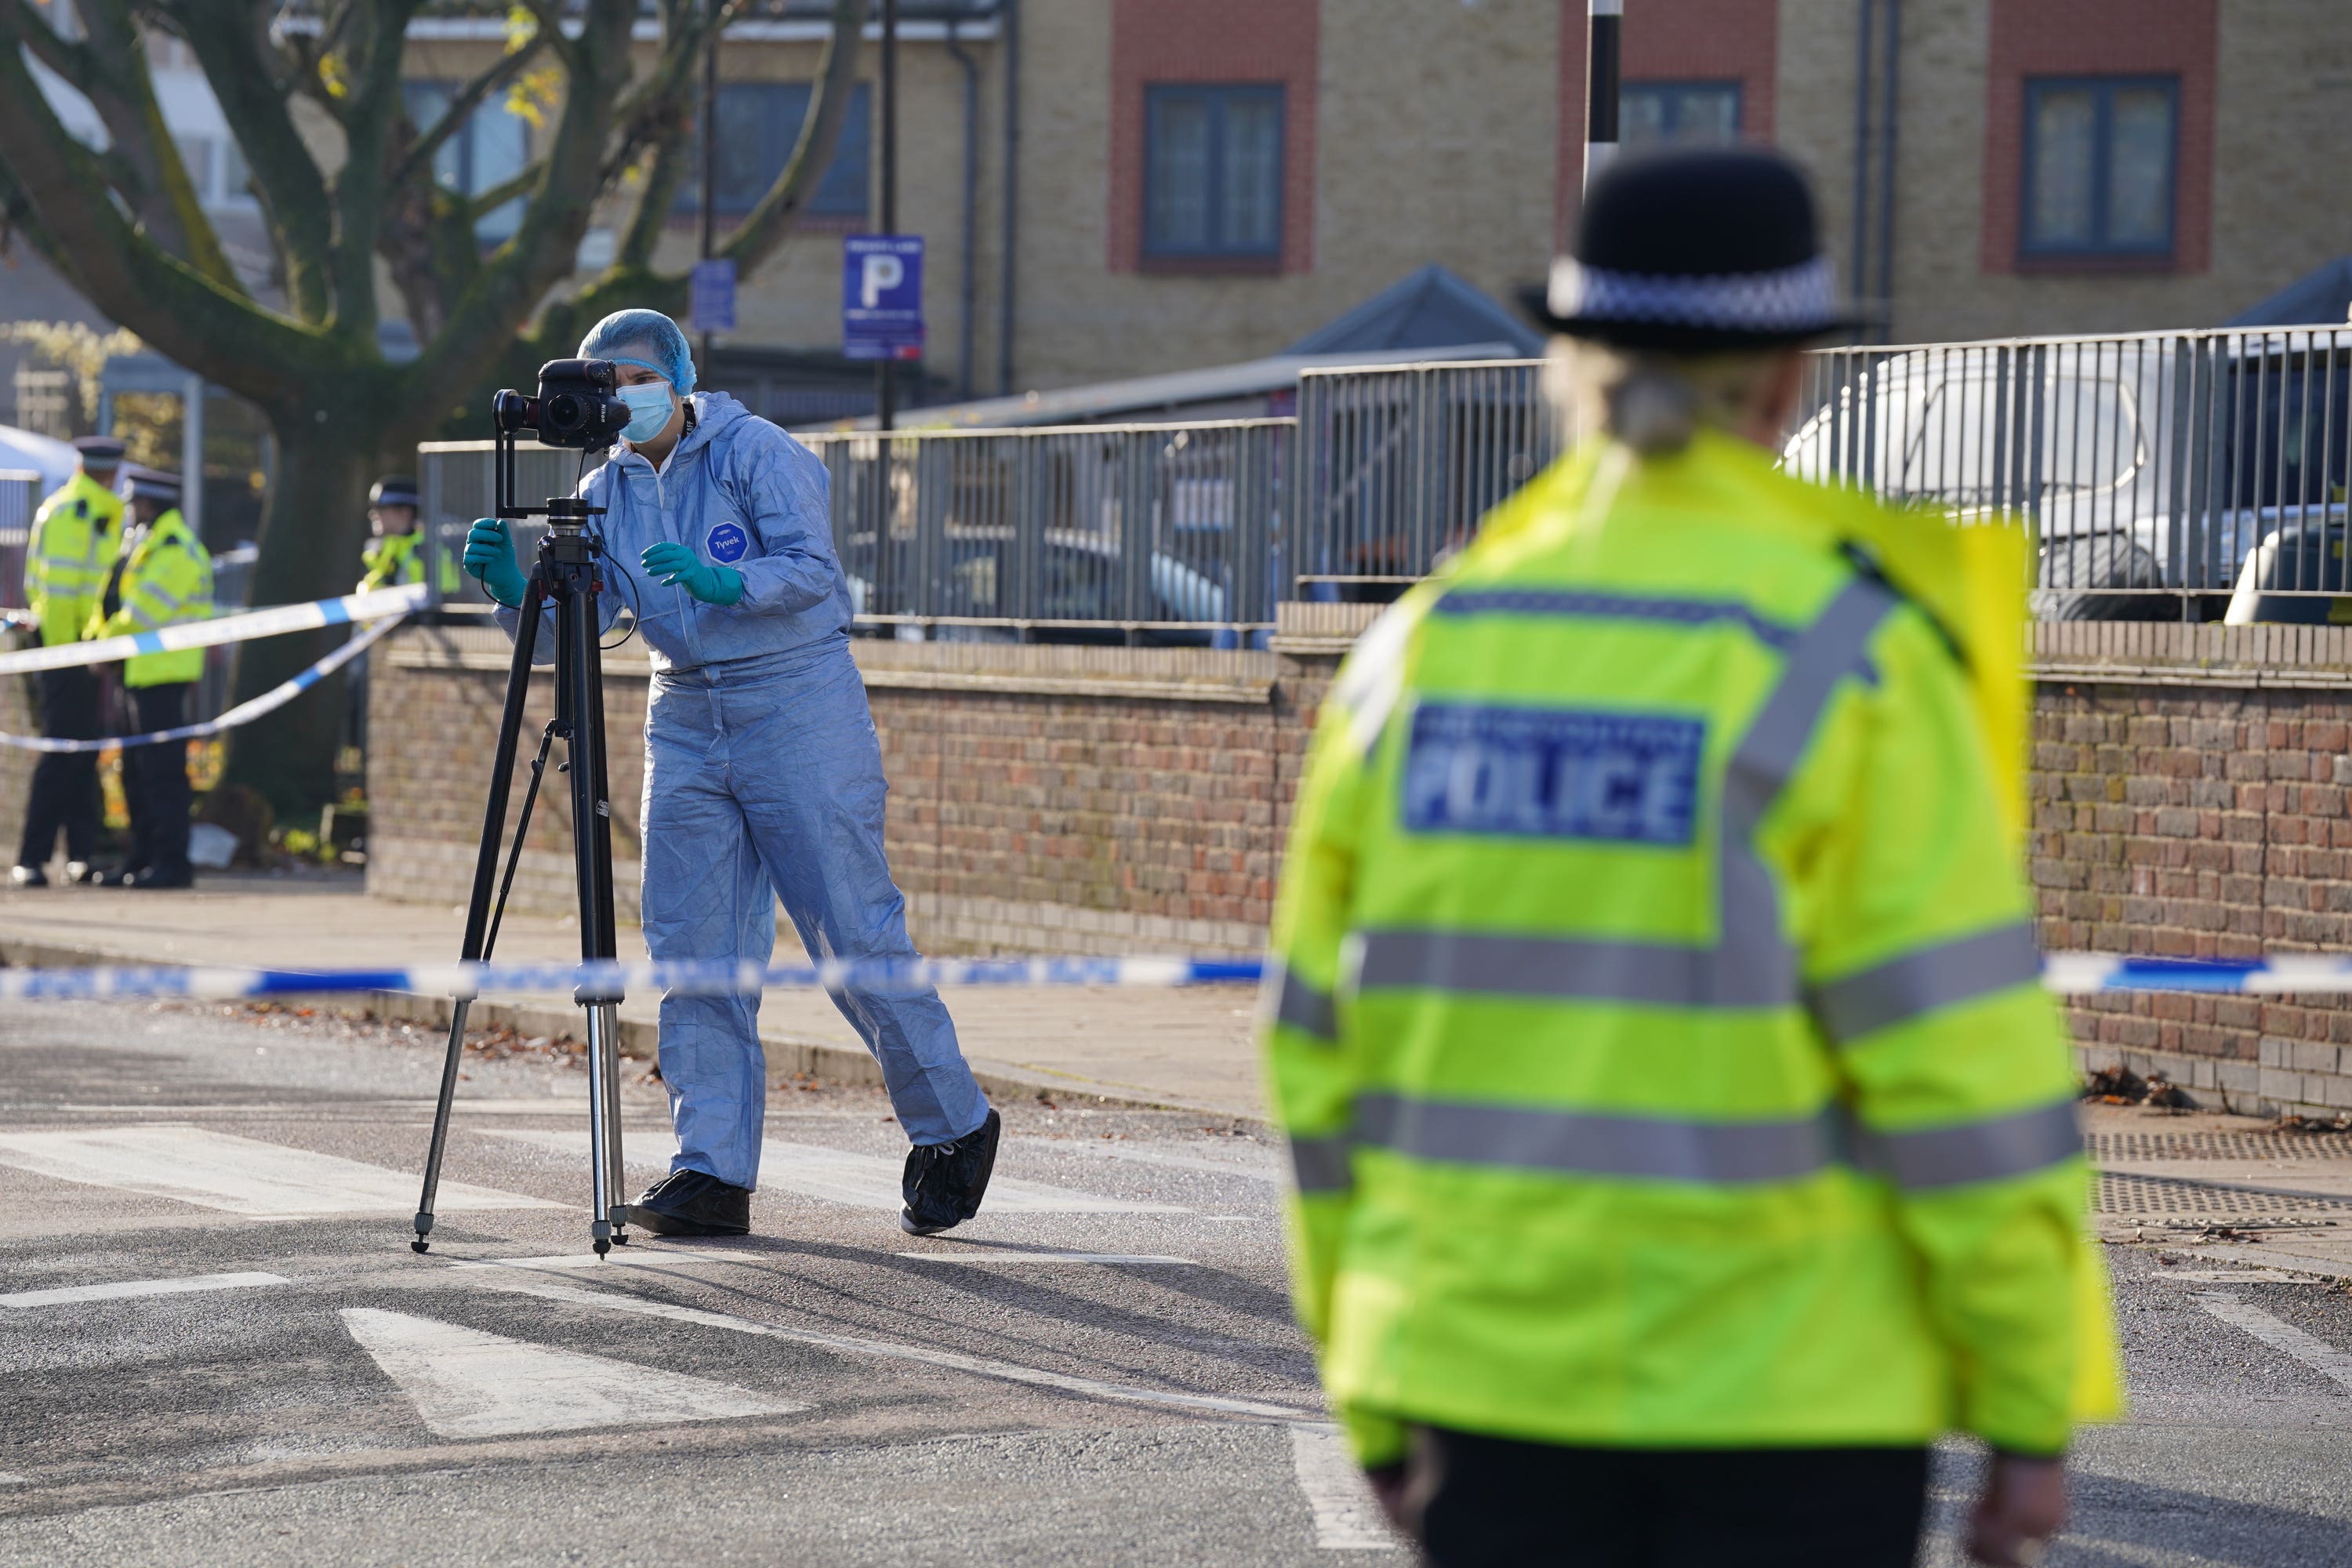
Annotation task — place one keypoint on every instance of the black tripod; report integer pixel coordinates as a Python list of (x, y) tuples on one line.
[(565, 572)]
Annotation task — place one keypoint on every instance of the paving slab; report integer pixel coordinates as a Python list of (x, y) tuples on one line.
[(1184, 1048)]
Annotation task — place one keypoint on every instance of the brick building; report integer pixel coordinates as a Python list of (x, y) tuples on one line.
[(1198, 182)]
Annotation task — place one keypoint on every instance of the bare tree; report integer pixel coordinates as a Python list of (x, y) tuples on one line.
[(125, 227)]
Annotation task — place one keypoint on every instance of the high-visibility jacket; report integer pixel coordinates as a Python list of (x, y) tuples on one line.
[(167, 578), (394, 559), (1655, 1019), (72, 548)]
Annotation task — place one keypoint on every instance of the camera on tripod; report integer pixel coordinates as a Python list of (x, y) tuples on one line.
[(577, 406)]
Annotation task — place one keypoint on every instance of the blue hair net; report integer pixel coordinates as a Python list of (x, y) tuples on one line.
[(644, 337)]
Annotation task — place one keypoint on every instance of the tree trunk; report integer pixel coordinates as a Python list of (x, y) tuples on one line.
[(311, 530)]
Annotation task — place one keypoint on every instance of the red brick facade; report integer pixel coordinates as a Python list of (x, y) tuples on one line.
[(1710, 40), (2101, 37), (1202, 43)]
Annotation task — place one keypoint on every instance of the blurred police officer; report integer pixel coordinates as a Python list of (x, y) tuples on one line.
[(75, 537), (163, 577), (1684, 1142), (394, 555)]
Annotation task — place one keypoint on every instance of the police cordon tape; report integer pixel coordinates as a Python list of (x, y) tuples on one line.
[(2065, 974), (245, 712), (243, 626)]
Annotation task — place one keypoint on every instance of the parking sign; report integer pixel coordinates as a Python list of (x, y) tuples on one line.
[(713, 295), (882, 296)]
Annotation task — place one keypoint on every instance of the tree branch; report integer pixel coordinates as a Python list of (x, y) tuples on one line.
[(645, 225), (371, 110), (419, 157), (230, 46), (764, 228), (483, 203), (184, 314)]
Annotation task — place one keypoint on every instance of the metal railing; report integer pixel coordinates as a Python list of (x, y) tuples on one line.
[(1397, 467), (455, 480), (1156, 533), (20, 497)]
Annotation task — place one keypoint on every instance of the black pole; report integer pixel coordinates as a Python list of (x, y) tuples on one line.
[(886, 389), (1605, 18), (710, 152)]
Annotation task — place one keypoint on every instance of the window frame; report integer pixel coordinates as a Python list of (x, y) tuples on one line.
[(686, 203), (1151, 246), (1737, 86), (2099, 248)]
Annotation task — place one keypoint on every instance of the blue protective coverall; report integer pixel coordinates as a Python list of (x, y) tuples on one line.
[(763, 778)]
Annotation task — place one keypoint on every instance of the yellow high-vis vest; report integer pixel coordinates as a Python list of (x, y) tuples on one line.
[(167, 579), (395, 560), (72, 548), (1656, 1021)]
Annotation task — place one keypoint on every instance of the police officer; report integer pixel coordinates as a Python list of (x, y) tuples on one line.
[(1683, 1141), (75, 537), (164, 577), (391, 556)]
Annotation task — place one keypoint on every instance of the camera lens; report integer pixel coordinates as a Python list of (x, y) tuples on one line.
[(563, 414)]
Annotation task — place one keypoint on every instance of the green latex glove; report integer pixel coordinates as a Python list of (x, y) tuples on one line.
[(676, 566), (490, 558)]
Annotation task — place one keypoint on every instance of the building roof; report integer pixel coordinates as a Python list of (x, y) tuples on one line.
[(1149, 395), (1432, 308), (2319, 297)]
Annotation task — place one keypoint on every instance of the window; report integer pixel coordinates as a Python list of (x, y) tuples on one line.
[(1677, 113), (2100, 165), (1212, 172), (759, 125), (491, 148)]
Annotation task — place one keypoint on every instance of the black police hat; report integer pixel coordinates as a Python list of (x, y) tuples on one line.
[(153, 484), (396, 489), (99, 451), (1696, 250)]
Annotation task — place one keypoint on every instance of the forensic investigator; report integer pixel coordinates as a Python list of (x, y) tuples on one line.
[(763, 777), (163, 576), (1683, 1141), (75, 537)]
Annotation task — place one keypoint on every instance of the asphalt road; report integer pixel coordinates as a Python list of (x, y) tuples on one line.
[(1100, 1370)]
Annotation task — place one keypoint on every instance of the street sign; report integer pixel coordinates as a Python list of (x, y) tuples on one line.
[(882, 296), (714, 296)]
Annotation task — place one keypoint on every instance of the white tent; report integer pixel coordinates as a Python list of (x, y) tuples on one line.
[(53, 459)]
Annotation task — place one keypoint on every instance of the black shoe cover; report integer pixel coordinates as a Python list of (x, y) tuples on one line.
[(945, 1181), (692, 1203)]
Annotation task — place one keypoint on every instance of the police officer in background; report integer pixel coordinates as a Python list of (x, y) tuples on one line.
[(393, 555), (75, 537), (1683, 1141), (163, 577)]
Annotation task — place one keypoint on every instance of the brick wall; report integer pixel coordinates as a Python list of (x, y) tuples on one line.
[(1710, 41)]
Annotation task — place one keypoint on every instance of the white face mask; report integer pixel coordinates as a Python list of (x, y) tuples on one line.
[(650, 404)]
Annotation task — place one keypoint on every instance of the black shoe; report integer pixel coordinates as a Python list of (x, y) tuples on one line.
[(28, 876), (945, 1181), (692, 1203), (156, 877)]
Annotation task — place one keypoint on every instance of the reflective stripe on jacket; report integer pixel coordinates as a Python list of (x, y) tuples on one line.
[(167, 579), (70, 551), (1657, 1026)]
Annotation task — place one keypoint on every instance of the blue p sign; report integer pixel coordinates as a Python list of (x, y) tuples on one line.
[(882, 296)]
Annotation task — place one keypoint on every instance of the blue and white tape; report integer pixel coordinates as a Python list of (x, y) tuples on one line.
[(872, 976), (244, 627), (2066, 973), (245, 712)]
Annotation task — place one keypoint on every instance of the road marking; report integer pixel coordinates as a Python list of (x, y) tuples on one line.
[(241, 1175), (860, 1180), (2316, 1353), (622, 1257), (469, 1384), (2234, 1277), (11, 1479), (994, 1255), (1007, 1371), (1254, 1170), (1346, 1518), (127, 1289)]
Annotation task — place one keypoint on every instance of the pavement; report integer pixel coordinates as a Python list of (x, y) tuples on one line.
[(217, 1346), (1187, 1049)]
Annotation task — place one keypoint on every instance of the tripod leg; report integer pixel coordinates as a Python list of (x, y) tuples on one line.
[(578, 676), (607, 940), (486, 870)]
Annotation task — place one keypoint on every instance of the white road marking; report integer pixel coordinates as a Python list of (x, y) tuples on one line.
[(604, 1301), (860, 1180), (2316, 1353), (2234, 1277), (991, 1255), (127, 1289), (1346, 1518), (469, 1384), (11, 1479), (241, 1175), (620, 1258)]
